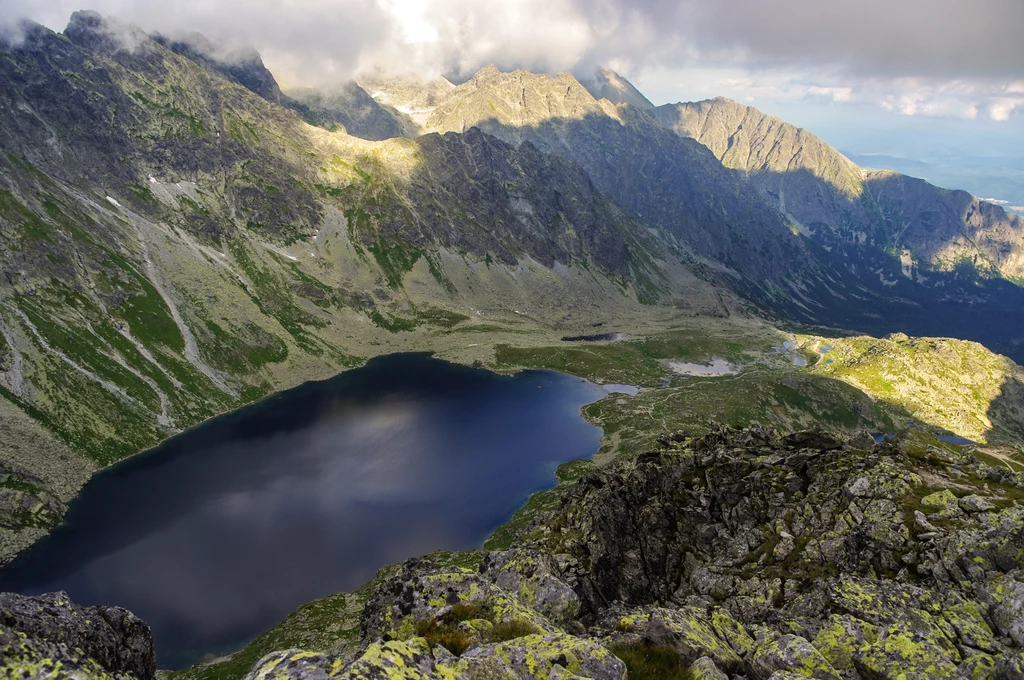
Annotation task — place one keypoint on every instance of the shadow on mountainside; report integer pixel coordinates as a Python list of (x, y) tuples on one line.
[(831, 279), (1006, 415)]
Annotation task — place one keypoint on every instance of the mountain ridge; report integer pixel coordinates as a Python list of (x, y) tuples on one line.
[(847, 203)]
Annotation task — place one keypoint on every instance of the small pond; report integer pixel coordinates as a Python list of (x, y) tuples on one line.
[(601, 337)]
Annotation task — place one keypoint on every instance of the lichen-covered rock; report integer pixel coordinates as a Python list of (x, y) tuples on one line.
[(534, 657), (793, 654), (861, 441), (22, 657), (978, 666), (294, 664), (691, 633), (841, 638), (1005, 596), (975, 503), (411, 660), (534, 578), (1010, 667), (423, 591), (944, 503), (900, 654), (49, 631), (704, 668)]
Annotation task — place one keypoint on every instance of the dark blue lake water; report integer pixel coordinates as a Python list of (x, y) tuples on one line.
[(222, 531)]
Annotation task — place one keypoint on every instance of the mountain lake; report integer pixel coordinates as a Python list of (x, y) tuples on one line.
[(222, 531)]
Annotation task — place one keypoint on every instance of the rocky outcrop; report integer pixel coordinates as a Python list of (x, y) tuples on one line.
[(741, 554), (48, 636)]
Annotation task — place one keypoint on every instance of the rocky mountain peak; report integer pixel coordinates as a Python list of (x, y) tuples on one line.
[(518, 98), (489, 72), (607, 84), (93, 31), (243, 64)]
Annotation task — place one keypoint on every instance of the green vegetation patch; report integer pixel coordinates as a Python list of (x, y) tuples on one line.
[(651, 662), (17, 215), (144, 194), (242, 351), (150, 319), (444, 630), (273, 296), (329, 625), (392, 324), (504, 631), (441, 318), (394, 260), (786, 400), (633, 362)]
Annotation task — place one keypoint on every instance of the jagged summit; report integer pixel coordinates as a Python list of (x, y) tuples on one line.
[(243, 65), (747, 139), (408, 94), (607, 84), (94, 31), (519, 98)]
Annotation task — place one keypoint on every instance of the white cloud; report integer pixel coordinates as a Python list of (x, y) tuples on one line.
[(836, 94), (928, 58), (1001, 109)]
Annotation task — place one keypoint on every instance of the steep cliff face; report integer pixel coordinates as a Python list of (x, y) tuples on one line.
[(843, 205)]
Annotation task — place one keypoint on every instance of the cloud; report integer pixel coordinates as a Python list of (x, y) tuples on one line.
[(317, 40), (942, 39), (1002, 108), (836, 94), (876, 51)]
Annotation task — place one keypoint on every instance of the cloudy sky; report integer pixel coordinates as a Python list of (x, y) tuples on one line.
[(894, 77)]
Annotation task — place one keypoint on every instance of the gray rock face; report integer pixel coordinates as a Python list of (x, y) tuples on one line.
[(786, 534), (40, 632)]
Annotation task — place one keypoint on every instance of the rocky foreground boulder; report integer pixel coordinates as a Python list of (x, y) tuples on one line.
[(740, 554), (736, 555), (49, 637)]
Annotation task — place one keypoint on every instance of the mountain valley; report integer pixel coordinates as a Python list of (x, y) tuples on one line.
[(181, 237)]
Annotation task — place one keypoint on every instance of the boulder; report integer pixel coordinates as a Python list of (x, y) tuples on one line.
[(49, 632)]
